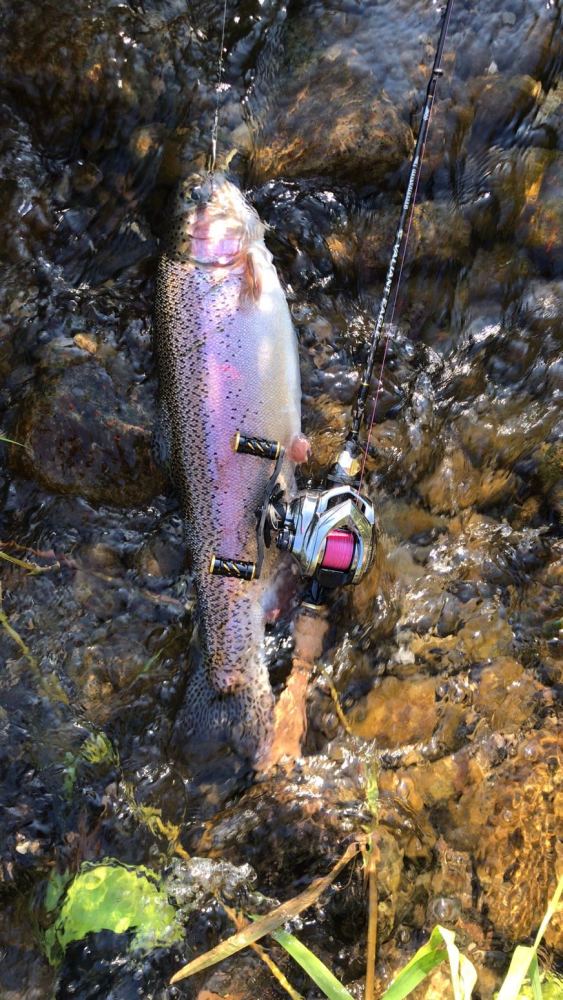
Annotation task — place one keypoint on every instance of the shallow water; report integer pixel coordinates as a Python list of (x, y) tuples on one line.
[(448, 655)]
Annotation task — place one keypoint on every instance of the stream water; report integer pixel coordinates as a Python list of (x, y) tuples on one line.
[(447, 659)]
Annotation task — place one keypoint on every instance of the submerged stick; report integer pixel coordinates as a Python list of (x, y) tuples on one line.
[(270, 922), (240, 925), (290, 719)]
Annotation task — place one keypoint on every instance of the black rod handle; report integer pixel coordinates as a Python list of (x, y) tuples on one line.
[(236, 568), (260, 447)]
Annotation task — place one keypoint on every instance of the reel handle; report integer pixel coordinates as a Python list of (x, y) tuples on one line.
[(236, 568), (260, 447)]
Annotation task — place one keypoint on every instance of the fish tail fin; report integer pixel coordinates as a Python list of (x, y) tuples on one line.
[(244, 718)]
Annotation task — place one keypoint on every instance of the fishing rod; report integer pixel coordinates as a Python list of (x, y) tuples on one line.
[(331, 530)]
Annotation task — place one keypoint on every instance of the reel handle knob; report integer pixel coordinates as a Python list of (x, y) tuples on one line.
[(236, 568), (260, 447)]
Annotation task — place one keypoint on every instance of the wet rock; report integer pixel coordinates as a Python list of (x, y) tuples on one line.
[(358, 135), (397, 712), (240, 978), (80, 438), (322, 797), (439, 235), (513, 821), (102, 964), (505, 695), (365, 141), (456, 484), (500, 102), (494, 429), (550, 474), (540, 230), (491, 272)]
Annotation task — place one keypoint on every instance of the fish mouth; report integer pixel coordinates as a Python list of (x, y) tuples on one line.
[(215, 225), (216, 237)]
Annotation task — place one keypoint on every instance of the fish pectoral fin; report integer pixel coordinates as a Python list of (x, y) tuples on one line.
[(251, 289)]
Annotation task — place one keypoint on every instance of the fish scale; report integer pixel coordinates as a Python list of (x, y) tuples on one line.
[(227, 360)]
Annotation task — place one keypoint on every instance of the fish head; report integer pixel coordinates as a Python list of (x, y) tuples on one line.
[(213, 223)]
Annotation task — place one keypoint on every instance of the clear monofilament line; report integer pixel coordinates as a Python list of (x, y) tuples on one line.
[(215, 127)]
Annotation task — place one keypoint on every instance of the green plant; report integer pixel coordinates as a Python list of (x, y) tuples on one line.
[(439, 947), (110, 896)]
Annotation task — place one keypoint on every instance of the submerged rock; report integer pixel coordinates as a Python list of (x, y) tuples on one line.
[(365, 140), (511, 822), (79, 438)]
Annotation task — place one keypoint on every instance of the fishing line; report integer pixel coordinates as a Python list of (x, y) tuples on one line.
[(399, 248), (393, 307), (215, 127)]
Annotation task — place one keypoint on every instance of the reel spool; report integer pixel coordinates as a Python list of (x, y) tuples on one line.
[(331, 533)]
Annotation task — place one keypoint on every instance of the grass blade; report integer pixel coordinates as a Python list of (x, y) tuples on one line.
[(22, 563), (6, 440), (534, 974), (268, 923), (524, 955), (426, 959), (240, 923), (372, 858), (517, 972), (462, 971), (317, 970)]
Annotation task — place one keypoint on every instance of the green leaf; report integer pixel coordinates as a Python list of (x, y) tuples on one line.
[(463, 972), (517, 972), (115, 897), (426, 959), (550, 984), (525, 955), (534, 974), (317, 970)]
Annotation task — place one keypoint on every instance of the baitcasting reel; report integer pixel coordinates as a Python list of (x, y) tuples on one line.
[(330, 532)]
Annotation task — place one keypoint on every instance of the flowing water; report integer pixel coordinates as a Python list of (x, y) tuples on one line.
[(446, 658)]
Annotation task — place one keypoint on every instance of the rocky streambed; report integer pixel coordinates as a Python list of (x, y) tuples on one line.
[(447, 659)]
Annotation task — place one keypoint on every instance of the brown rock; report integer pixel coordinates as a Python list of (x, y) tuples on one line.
[(511, 822), (77, 440), (499, 100), (456, 484), (504, 695), (355, 135), (397, 712), (438, 233)]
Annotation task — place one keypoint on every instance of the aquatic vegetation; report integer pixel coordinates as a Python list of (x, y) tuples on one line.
[(439, 947), (116, 897), (15, 636)]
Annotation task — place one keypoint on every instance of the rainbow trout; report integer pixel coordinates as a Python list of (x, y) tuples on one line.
[(227, 361)]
